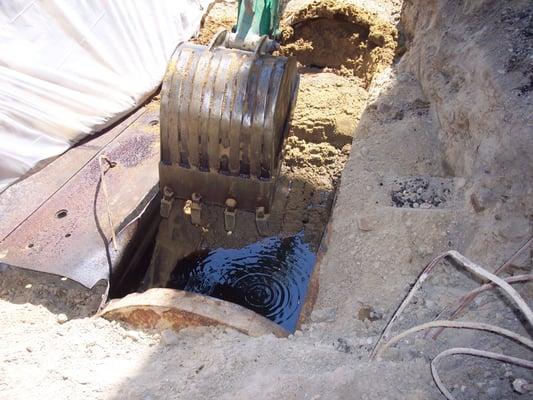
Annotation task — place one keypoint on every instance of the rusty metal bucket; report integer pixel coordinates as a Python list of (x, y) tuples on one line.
[(224, 114)]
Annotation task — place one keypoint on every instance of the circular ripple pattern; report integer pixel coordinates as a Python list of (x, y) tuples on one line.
[(269, 277)]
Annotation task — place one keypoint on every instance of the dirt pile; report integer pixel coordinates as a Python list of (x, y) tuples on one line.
[(339, 36), (326, 160), (483, 106), (328, 108)]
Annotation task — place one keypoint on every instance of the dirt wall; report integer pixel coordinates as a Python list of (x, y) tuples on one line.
[(472, 59)]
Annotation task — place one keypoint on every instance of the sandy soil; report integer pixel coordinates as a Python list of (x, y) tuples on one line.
[(340, 36), (453, 110), (220, 15)]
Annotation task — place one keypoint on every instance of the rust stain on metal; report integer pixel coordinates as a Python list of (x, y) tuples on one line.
[(140, 317), (134, 150), (175, 309), (41, 185), (182, 319)]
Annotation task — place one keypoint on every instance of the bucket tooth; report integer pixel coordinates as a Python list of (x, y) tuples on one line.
[(166, 202), (261, 221), (229, 215), (196, 209)]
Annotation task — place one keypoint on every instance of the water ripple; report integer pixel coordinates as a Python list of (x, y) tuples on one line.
[(269, 277)]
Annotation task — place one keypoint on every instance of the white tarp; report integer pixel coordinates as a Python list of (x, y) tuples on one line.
[(71, 67)]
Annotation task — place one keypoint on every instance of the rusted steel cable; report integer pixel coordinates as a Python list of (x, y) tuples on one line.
[(467, 298), (461, 325), (470, 266), (504, 266), (472, 352), (494, 281), (421, 278), (483, 273)]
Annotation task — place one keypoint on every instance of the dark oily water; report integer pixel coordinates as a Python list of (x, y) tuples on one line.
[(269, 277)]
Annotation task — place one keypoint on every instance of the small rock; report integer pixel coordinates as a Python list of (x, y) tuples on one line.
[(346, 149), (315, 159), (521, 386), (343, 346), (375, 315), (476, 203), (425, 205), (367, 312), (364, 224), (169, 337), (29, 349), (133, 335), (416, 205), (100, 323), (460, 182), (28, 286), (298, 333), (424, 250), (324, 315), (61, 318)]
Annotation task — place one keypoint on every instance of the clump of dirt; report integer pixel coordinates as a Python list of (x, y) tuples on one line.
[(328, 109), (340, 36), (222, 15), (323, 158)]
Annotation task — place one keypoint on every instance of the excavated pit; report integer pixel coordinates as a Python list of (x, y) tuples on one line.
[(339, 37), (318, 37), (472, 78), (275, 274)]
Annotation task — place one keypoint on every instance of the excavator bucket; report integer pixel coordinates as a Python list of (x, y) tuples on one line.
[(224, 114)]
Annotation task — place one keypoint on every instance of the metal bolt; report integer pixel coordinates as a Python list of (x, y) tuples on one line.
[(261, 220)]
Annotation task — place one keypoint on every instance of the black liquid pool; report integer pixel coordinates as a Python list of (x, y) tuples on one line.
[(269, 277)]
